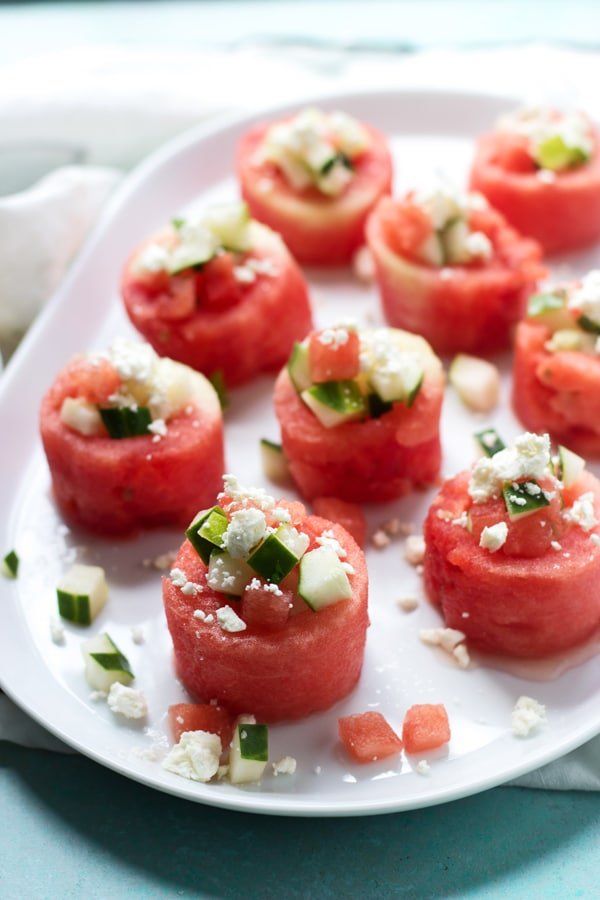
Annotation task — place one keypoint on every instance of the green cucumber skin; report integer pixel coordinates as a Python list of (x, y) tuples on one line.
[(255, 744), (113, 662), (378, 407), (10, 564), (122, 422), (74, 607), (516, 511), (217, 379), (588, 325), (272, 560), (271, 445), (539, 304), (202, 545), (494, 446)]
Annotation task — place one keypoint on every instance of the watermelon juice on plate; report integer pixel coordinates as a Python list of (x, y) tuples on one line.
[(556, 375), (314, 177), (450, 268), (359, 413), (267, 607), (131, 440), (218, 292), (541, 169), (513, 550)]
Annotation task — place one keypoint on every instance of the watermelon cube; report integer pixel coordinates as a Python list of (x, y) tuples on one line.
[(263, 607), (333, 355), (367, 737), (425, 727), (201, 717)]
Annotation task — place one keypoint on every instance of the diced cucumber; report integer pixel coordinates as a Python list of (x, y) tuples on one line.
[(523, 499), (476, 381), (10, 565), (278, 554), (401, 383), (565, 340), (550, 310), (218, 382), (432, 250), (230, 223), (195, 250), (81, 416), (570, 466), (252, 740), (124, 422), (323, 580), (555, 154), (82, 594), (490, 441), (206, 531), (335, 402), (455, 238), (274, 462), (377, 406), (104, 663), (228, 575), (588, 325), (299, 368)]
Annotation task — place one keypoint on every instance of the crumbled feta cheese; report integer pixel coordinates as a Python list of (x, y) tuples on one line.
[(137, 634), (178, 577), (97, 696), (528, 458), (546, 176), (229, 620), (461, 655), (494, 536), (285, 766), (328, 539), (281, 515), (542, 125), (527, 715), (127, 701), (153, 258), (57, 631), (380, 539), (414, 549), (556, 545), (348, 568), (595, 539), (244, 274), (162, 562), (191, 588), (462, 521), (196, 756), (449, 639), (422, 767), (245, 530), (333, 337), (158, 427), (582, 512), (246, 495), (478, 244), (408, 604)]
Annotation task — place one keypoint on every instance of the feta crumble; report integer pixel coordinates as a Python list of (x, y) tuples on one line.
[(196, 756), (285, 766), (229, 620), (493, 537), (127, 701), (137, 634), (328, 539), (449, 639), (422, 767), (246, 529), (408, 604), (527, 715), (414, 549), (582, 512), (528, 458), (246, 495), (57, 631)]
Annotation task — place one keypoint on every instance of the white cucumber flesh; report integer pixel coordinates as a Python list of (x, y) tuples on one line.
[(105, 664), (82, 594), (323, 580)]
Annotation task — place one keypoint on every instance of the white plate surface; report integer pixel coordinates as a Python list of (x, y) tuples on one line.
[(428, 132)]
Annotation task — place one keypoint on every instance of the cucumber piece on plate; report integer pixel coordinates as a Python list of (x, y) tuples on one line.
[(570, 466), (550, 310), (205, 532), (323, 580), (218, 382), (274, 462), (278, 554), (299, 367), (104, 663), (523, 498), (476, 381), (228, 575), (124, 422), (10, 565), (249, 752), (230, 223), (489, 441), (82, 594), (335, 402)]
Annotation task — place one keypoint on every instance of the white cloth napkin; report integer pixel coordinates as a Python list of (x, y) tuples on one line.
[(117, 105)]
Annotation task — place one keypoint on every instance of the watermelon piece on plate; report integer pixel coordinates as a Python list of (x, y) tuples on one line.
[(425, 727), (201, 717), (368, 737)]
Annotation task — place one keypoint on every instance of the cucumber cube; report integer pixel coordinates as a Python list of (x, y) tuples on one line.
[(476, 381), (104, 663), (228, 575), (10, 565), (274, 462), (278, 554), (490, 441), (323, 580), (377, 406), (335, 402), (589, 325), (299, 367), (550, 310), (206, 532), (124, 422), (195, 250), (523, 499), (218, 382), (570, 466), (555, 154), (230, 223), (432, 250), (82, 594), (253, 739)]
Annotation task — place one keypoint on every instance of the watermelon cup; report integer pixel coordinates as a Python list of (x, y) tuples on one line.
[(450, 268), (556, 385), (360, 419), (218, 292), (289, 645), (541, 169), (132, 441), (512, 552), (314, 178)]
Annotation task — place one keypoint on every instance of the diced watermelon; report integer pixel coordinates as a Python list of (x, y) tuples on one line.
[(211, 321), (513, 153), (333, 361), (557, 392), (425, 727), (405, 226), (201, 717), (525, 607), (368, 737), (561, 214), (348, 515), (93, 381), (264, 609), (472, 308), (318, 230)]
